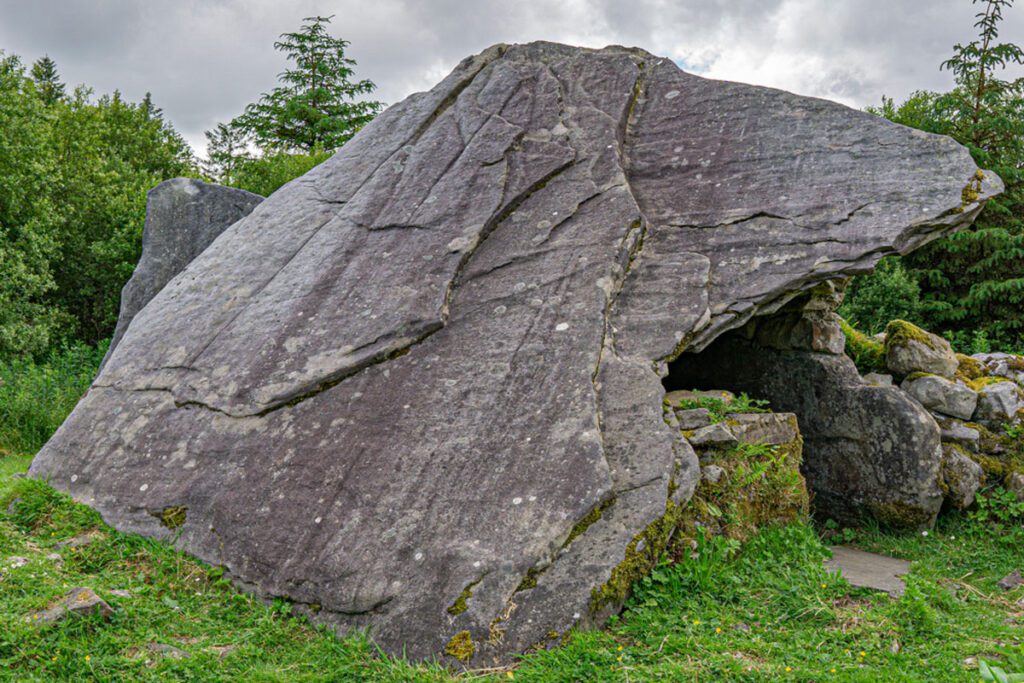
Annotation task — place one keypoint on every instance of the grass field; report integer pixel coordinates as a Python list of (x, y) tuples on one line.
[(766, 610)]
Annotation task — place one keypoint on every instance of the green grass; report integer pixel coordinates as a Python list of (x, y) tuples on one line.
[(763, 611), (766, 610)]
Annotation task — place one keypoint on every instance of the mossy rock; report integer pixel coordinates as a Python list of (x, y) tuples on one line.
[(900, 333), (970, 368)]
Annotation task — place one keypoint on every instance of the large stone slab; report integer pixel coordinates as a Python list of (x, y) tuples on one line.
[(869, 570), (420, 387), (183, 216)]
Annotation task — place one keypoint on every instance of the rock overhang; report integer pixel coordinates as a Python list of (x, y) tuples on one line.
[(412, 372)]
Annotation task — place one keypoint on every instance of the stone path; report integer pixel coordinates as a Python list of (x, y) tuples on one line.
[(868, 570)]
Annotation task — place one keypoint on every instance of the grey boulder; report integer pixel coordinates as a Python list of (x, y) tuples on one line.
[(962, 477), (421, 387), (916, 350), (940, 395), (183, 216), (999, 402), (956, 431)]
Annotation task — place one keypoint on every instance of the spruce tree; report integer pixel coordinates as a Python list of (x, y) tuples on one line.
[(226, 150), (315, 107), (47, 80), (973, 281)]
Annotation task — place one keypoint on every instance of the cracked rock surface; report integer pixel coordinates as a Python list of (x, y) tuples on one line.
[(397, 387)]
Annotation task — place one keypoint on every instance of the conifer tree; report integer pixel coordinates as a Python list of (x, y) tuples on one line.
[(973, 281), (316, 105), (47, 80)]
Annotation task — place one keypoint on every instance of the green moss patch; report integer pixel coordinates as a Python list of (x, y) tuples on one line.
[(901, 333), (867, 354), (461, 646)]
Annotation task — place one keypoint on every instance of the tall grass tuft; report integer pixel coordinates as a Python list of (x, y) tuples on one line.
[(36, 396)]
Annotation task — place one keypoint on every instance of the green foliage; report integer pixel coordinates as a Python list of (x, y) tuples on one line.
[(315, 107), (29, 236), (991, 672), (719, 407), (73, 179), (227, 147), (36, 396), (886, 294), (266, 174), (174, 601), (301, 122), (973, 279), (108, 154), (998, 508), (867, 354)]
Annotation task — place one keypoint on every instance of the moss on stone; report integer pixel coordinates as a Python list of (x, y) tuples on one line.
[(867, 354), (529, 581), (970, 368), (591, 517), (918, 375), (172, 517), (980, 383), (460, 605), (762, 486), (899, 515), (901, 333), (461, 646), (642, 553), (972, 190)]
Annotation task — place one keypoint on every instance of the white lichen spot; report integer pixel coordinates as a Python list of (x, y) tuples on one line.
[(418, 556), (561, 327), (517, 500), (144, 487), (74, 478), (318, 520), (498, 310), (671, 94), (477, 563)]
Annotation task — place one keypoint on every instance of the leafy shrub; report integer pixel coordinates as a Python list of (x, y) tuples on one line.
[(888, 293), (36, 396)]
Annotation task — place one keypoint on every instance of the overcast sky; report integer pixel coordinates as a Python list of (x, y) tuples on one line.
[(204, 60)]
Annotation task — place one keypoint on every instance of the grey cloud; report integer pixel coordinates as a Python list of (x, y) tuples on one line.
[(204, 60)]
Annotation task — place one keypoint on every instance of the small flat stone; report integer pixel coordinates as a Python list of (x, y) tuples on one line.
[(878, 379), (1011, 580), (711, 436), (120, 593), (694, 418), (168, 651), (711, 473), (16, 561), (939, 394), (768, 428), (76, 602), (77, 541), (868, 570)]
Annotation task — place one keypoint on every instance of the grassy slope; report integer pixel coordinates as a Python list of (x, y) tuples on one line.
[(772, 612), (769, 613)]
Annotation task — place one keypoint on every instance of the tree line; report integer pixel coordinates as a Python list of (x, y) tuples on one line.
[(970, 285), (75, 169)]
